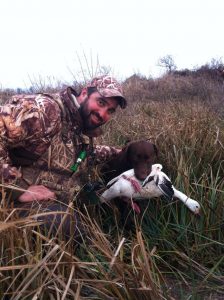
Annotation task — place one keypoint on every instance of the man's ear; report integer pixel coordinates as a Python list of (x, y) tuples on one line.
[(82, 95)]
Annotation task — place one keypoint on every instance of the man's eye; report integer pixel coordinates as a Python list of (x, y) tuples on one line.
[(101, 102), (111, 111)]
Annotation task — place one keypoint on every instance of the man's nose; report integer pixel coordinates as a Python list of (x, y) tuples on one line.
[(104, 114)]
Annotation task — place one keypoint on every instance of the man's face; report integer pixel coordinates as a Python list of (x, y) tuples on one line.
[(96, 110)]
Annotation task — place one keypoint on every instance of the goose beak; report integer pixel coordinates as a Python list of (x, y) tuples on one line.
[(197, 213)]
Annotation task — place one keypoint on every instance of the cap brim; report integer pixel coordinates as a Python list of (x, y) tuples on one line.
[(108, 93)]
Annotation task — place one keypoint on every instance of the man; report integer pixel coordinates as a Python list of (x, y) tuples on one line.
[(29, 124)]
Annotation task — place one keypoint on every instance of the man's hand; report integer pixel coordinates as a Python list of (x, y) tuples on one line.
[(9, 173), (38, 193)]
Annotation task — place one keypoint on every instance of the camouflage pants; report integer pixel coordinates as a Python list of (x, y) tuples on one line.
[(58, 218)]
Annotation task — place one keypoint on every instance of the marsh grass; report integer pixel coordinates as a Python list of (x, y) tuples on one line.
[(167, 254)]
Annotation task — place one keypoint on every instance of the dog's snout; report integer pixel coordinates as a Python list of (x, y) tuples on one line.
[(138, 155), (142, 171)]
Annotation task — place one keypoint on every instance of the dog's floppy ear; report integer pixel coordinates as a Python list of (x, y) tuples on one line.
[(127, 141), (126, 146), (122, 157)]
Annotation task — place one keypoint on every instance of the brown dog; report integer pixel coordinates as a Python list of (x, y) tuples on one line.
[(139, 155)]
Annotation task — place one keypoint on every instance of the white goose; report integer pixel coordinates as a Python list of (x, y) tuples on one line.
[(156, 184)]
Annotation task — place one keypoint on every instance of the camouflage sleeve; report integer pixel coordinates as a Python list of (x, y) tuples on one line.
[(28, 121), (7, 172), (104, 153), (5, 169)]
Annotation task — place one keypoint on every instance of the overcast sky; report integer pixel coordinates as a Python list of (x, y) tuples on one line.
[(46, 37)]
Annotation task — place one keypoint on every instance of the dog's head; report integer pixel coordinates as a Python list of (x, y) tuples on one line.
[(141, 155)]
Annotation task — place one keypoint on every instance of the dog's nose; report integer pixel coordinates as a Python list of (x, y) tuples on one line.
[(141, 176), (141, 172)]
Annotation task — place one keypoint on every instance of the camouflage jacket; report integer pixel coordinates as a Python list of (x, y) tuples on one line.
[(29, 123)]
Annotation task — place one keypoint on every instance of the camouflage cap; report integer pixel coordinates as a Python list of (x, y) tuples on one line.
[(108, 86)]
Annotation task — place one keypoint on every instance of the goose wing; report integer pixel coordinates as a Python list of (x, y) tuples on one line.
[(112, 181), (164, 185), (128, 173), (120, 187), (156, 168), (147, 180)]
